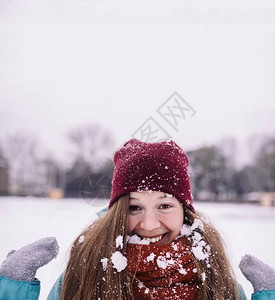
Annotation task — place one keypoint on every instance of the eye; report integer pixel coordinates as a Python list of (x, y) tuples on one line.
[(165, 206), (133, 208)]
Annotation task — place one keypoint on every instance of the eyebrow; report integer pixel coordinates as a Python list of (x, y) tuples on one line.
[(134, 198), (160, 197)]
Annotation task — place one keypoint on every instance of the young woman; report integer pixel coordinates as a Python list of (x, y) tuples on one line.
[(151, 244)]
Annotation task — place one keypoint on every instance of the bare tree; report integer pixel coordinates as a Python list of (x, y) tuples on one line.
[(209, 172), (229, 147), (4, 173), (92, 144), (26, 170), (265, 163)]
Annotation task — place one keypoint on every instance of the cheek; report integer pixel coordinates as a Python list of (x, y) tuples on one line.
[(174, 222)]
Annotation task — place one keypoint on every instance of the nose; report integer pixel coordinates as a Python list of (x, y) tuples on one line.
[(149, 222)]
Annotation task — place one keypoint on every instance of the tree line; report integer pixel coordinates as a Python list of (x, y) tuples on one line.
[(215, 177), (26, 169)]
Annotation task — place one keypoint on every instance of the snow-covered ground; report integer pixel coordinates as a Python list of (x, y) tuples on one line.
[(245, 229)]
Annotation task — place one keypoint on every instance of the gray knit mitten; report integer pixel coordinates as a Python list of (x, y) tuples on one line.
[(23, 263), (261, 275)]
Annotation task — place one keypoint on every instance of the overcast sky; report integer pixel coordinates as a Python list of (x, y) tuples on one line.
[(70, 63)]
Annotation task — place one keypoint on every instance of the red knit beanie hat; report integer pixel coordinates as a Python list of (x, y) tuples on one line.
[(141, 166)]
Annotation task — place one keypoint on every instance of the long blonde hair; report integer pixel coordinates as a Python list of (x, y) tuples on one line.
[(216, 276), (86, 279)]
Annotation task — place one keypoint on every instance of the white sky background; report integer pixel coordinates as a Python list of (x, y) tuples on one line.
[(69, 63)]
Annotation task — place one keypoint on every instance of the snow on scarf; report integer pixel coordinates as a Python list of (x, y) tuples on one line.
[(163, 271)]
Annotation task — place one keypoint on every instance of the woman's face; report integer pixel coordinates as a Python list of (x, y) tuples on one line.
[(155, 217)]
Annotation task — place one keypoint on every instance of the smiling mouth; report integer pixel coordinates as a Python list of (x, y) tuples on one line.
[(154, 239)]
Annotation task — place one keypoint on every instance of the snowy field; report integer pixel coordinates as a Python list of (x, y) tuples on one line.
[(245, 229)]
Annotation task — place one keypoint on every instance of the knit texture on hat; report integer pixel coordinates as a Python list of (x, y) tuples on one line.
[(141, 166)]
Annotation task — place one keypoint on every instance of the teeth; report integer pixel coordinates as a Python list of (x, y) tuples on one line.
[(154, 239)]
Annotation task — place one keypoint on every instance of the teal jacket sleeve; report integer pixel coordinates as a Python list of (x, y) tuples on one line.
[(56, 289), (264, 295), (14, 290)]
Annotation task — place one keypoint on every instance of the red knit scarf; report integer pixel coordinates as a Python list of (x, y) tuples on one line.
[(163, 272)]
